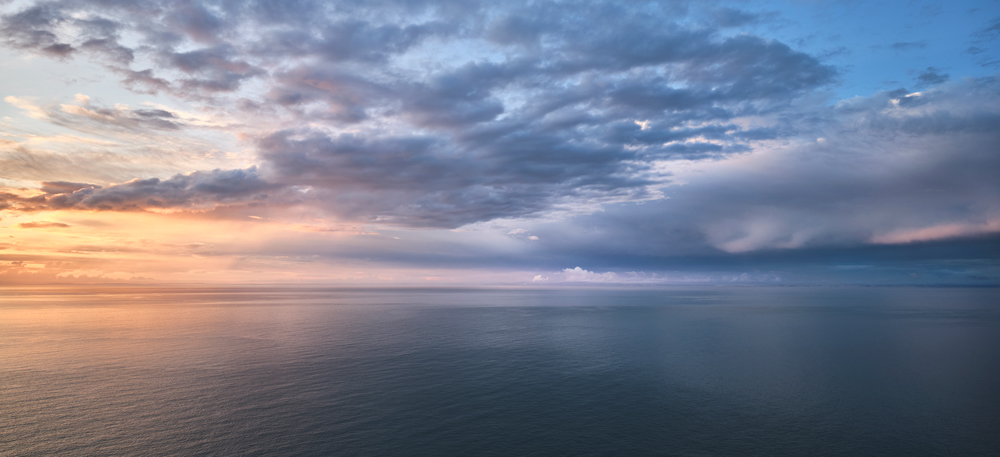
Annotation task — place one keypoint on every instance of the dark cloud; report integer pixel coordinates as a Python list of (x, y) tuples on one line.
[(423, 181), (908, 45), (516, 29), (34, 29), (213, 69), (195, 20), (732, 17), (983, 50), (356, 40), (142, 81), (628, 36), (931, 77), (110, 49), (346, 96), (988, 33)]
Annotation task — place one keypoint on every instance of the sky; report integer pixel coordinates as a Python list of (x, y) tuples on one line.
[(543, 143)]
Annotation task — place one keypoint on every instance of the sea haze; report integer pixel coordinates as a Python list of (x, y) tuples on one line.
[(297, 371)]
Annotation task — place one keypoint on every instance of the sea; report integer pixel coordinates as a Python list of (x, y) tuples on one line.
[(297, 371)]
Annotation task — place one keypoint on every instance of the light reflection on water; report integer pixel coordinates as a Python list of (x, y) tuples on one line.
[(732, 371)]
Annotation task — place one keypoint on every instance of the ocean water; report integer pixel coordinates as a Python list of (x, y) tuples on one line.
[(681, 372)]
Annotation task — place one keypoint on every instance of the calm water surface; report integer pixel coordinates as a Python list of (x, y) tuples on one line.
[(687, 372)]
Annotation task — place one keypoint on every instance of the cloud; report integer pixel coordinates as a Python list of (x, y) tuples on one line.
[(28, 105), (423, 181), (988, 33), (86, 140), (34, 28), (580, 275), (193, 191), (211, 69), (75, 158), (87, 116), (896, 167), (937, 232), (62, 187), (731, 17), (416, 115), (931, 77), (42, 224), (908, 45)]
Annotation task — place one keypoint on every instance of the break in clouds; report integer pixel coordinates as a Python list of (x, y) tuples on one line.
[(446, 114)]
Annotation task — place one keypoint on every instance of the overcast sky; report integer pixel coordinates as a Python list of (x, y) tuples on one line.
[(404, 142)]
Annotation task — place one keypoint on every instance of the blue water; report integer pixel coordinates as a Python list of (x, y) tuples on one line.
[(686, 372)]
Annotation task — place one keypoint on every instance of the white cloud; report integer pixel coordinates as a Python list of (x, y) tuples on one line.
[(28, 105), (580, 275)]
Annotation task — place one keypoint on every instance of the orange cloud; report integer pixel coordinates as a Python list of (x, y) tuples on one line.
[(937, 232), (43, 224)]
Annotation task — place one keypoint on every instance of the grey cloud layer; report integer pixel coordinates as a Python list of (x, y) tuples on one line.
[(893, 168), (445, 113)]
